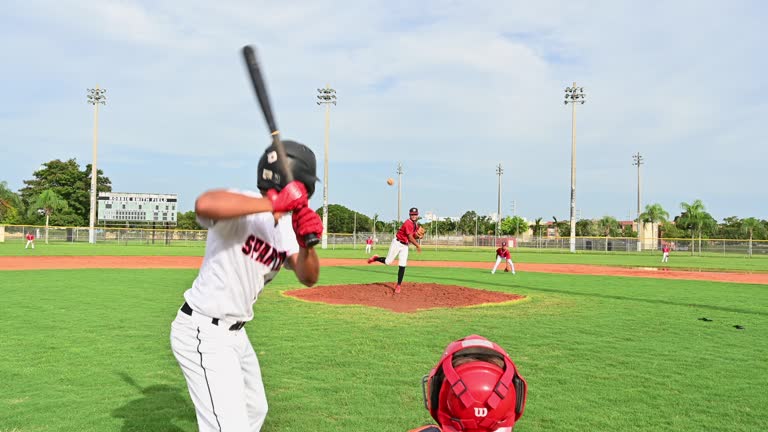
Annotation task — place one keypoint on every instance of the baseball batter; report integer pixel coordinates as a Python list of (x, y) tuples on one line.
[(409, 233), (475, 387), (250, 237), (502, 253)]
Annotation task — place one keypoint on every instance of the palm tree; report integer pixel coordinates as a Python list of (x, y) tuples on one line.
[(47, 202), (695, 217), (750, 225), (536, 228), (653, 214), (607, 224)]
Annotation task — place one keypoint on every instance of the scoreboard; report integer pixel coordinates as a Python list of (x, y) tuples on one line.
[(137, 207)]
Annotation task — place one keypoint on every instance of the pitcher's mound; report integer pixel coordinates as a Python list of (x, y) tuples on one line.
[(412, 297)]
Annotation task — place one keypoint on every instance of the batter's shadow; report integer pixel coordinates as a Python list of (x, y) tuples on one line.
[(155, 409)]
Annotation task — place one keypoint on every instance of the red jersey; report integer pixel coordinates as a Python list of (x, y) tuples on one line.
[(369, 241), (409, 227), (30, 237), (504, 253), (665, 249)]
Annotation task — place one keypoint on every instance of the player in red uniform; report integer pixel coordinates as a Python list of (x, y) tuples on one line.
[(399, 246), (665, 253), (368, 244), (475, 387), (30, 240), (502, 253)]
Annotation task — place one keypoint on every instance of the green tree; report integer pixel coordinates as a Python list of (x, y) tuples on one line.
[(654, 214), (670, 230), (468, 221), (48, 202), (11, 209), (69, 182), (187, 221), (609, 226), (696, 219), (750, 225), (585, 228), (514, 225), (536, 226), (730, 228)]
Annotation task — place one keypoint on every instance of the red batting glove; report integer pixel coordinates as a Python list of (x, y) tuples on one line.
[(292, 197), (306, 221)]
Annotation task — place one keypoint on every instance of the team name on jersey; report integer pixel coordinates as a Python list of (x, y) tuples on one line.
[(263, 252)]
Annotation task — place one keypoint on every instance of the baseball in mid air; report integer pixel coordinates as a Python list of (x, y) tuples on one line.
[(390, 181)]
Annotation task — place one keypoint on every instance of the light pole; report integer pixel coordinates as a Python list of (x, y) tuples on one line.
[(638, 160), (96, 97), (499, 172), (573, 95), (326, 96), (399, 188)]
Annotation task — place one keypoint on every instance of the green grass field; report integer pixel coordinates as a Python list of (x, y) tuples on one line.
[(679, 260), (88, 350)]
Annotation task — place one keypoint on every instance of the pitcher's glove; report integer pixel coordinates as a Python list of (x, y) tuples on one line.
[(419, 233), (306, 221)]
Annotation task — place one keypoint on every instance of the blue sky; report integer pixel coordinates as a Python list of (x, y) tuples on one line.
[(449, 89)]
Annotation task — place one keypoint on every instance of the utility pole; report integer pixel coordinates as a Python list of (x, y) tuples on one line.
[(326, 96), (499, 172), (638, 160), (399, 189), (573, 95), (96, 97)]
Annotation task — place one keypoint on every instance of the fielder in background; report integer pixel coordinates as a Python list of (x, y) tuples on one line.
[(30, 240), (475, 387), (502, 253), (251, 235), (368, 244), (665, 253), (409, 233)]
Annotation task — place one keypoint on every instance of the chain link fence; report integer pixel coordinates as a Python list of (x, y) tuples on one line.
[(176, 237)]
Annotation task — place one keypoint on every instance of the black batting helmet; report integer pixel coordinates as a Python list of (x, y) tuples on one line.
[(413, 211), (300, 161)]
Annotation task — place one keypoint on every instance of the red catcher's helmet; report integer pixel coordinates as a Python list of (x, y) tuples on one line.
[(475, 387)]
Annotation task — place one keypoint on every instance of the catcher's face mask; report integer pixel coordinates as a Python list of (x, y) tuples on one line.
[(475, 387)]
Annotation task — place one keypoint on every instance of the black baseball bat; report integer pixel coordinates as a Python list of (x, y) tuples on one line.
[(257, 79)]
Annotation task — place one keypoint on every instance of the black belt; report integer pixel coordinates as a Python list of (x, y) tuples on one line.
[(402, 242), (215, 321)]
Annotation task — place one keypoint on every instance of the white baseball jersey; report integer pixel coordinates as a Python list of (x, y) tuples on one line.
[(241, 256)]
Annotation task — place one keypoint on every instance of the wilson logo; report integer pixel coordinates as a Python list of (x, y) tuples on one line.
[(481, 412)]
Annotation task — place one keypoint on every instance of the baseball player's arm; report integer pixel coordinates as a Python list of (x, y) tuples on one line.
[(306, 265), (413, 241), (224, 204)]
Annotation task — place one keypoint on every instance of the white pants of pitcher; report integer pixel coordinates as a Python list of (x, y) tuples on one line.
[(30, 242), (222, 372), (498, 261)]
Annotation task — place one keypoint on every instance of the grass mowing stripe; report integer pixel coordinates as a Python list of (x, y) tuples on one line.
[(89, 350)]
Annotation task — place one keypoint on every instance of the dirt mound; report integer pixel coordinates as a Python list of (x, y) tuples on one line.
[(413, 296)]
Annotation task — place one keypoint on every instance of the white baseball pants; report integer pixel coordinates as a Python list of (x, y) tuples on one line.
[(397, 249), (222, 372), (499, 260)]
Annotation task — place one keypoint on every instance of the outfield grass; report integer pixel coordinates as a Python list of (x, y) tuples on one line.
[(88, 350), (681, 260)]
